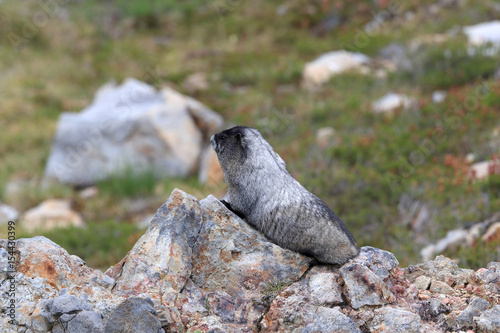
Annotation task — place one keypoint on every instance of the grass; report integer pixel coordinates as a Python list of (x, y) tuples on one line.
[(100, 244), (254, 53), (129, 184)]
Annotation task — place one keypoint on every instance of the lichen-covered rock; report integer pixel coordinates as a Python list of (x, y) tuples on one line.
[(161, 260), (232, 257), (66, 304), (331, 320), (423, 282), (81, 322), (134, 315), (200, 268), (40, 257), (395, 320), (364, 287), (441, 269), (489, 321), (378, 261), (475, 308), (299, 304), (441, 288)]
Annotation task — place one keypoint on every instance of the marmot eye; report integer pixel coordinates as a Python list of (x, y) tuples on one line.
[(223, 137)]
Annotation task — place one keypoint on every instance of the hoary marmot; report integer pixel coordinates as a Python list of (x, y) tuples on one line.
[(261, 190)]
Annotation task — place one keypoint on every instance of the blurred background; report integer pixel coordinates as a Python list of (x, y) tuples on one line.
[(387, 110)]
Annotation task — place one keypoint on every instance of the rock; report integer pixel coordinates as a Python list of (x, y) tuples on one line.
[(134, 315), (494, 266), (325, 137), (489, 321), (442, 269), (397, 54), (162, 258), (483, 33), (492, 234), (302, 304), (475, 308), (391, 102), (131, 126), (210, 169), (40, 257), (484, 275), (481, 170), (88, 192), (200, 268), (378, 261), (330, 64), (437, 307), (195, 82), (441, 288), (8, 213), (395, 320), (66, 304), (83, 322), (50, 214), (454, 238), (331, 320), (245, 262), (364, 287), (423, 282), (66, 313), (324, 286), (207, 121), (438, 96)]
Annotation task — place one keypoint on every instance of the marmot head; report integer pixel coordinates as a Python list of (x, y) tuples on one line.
[(231, 144), (244, 147)]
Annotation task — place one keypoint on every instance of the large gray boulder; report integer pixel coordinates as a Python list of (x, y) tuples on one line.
[(131, 127)]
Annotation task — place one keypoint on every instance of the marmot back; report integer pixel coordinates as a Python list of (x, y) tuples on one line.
[(261, 190)]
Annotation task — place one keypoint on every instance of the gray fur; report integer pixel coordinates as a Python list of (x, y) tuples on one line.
[(261, 189)]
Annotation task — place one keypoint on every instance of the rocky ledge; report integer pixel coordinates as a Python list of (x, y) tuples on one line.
[(199, 268)]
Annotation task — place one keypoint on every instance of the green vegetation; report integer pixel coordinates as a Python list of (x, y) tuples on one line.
[(253, 53), (129, 184), (99, 244)]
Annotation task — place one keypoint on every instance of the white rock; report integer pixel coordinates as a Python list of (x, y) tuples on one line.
[(492, 233), (51, 214), (470, 157), (325, 136), (453, 238), (210, 170), (392, 101), (438, 96), (483, 33), (130, 126), (481, 170), (332, 63), (195, 82), (88, 192), (8, 213)]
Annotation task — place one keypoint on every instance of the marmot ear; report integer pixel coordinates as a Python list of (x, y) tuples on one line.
[(239, 139)]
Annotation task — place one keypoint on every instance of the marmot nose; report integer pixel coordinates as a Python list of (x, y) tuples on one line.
[(212, 140)]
